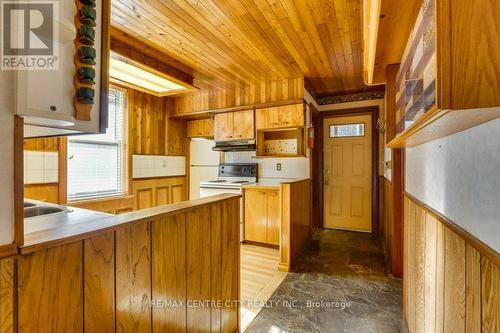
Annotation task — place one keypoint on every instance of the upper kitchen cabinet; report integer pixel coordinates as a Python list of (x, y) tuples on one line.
[(449, 65), (230, 126), (280, 116), (67, 92), (200, 128), (243, 125)]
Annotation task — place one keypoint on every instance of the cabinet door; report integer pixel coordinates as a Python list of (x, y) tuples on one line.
[(273, 217), (195, 128), (273, 117), (208, 127), (291, 115), (243, 125), (267, 118), (256, 215), (261, 118), (223, 127)]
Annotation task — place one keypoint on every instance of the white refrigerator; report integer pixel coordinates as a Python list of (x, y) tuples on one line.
[(204, 165)]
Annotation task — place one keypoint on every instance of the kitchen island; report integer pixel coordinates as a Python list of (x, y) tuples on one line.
[(148, 270)]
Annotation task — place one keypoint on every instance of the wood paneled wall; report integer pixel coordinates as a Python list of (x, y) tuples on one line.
[(154, 192), (296, 221), (7, 295), (123, 280), (449, 286), (251, 95), (387, 218), (42, 192), (151, 131), (42, 144)]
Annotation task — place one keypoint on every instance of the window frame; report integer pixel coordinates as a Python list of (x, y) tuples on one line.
[(125, 158)]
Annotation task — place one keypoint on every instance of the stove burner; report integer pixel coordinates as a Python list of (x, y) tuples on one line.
[(218, 181), (240, 182)]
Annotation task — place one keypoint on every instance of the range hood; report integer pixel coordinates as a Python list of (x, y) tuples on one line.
[(242, 145)]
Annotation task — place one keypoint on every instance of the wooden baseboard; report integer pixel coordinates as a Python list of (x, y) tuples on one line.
[(271, 246)]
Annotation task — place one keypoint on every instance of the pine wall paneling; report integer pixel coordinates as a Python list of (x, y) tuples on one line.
[(451, 282), (220, 99)]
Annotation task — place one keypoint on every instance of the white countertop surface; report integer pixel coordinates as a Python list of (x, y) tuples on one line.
[(49, 221)]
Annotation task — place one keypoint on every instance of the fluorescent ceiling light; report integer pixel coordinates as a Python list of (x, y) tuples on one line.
[(125, 71)]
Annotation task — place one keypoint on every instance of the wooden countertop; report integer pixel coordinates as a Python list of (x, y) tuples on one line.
[(275, 184), (67, 232)]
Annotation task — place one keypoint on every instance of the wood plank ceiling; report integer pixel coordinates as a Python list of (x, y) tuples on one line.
[(230, 43)]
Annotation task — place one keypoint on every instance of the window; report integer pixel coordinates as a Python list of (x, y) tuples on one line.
[(345, 131), (96, 163)]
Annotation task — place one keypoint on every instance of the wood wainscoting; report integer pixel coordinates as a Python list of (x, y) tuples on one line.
[(152, 192), (451, 279), (7, 295), (133, 276)]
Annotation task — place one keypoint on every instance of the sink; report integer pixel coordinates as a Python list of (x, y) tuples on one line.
[(29, 204), (42, 210)]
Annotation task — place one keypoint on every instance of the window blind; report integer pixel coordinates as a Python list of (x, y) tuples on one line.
[(96, 165)]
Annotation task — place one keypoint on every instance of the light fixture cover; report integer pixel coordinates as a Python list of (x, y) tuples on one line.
[(123, 70)]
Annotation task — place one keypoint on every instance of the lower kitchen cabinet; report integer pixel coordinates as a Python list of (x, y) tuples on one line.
[(262, 215), (273, 217)]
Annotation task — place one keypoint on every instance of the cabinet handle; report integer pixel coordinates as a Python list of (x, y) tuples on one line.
[(53, 108)]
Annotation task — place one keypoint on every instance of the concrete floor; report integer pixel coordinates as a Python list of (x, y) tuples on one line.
[(340, 284)]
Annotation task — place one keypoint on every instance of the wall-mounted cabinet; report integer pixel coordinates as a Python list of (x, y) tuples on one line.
[(262, 215), (280, 116), (231, 126), (448, 78), (55, 100), (200, 128)]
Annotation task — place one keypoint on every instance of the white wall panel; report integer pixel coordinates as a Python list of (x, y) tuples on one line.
[(459, 176)]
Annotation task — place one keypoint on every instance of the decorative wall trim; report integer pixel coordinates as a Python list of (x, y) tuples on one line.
[(346, 98), (379, 94)]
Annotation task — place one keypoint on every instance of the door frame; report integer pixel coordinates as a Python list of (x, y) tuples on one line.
[(374, 111)]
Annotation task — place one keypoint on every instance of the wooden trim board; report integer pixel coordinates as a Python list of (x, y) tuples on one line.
[(476, 243)]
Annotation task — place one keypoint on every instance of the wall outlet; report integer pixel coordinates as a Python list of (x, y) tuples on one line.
[(278, 166)]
